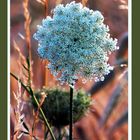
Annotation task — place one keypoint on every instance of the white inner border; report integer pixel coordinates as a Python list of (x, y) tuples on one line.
[(129, 69), (8, 68)]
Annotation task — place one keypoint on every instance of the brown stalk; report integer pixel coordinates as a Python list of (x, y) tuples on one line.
[(47, 72), (27, 34), (84, 2), (47, 7), (21, 60)]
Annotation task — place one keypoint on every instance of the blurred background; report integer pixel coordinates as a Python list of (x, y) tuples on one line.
[(107, 118)]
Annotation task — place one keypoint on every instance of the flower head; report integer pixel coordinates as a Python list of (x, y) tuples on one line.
[(76, 42)]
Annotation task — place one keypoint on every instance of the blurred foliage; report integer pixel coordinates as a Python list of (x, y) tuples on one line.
[(56, 106)]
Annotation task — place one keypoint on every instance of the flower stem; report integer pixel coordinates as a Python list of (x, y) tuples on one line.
[(59, 133), (71, 114), (45, 119)]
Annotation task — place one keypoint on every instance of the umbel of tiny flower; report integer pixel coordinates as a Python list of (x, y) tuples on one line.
[(76, 42)]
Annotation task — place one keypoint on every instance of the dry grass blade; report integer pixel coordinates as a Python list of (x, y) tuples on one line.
[(27, 25), (123, 45), (123, 119), (37, 112), (28, 35), (21, 56), (22, 62), (21, 36), (113, 101), (20, 125), (43, 96), (99, 85), (81, 133), (41, 1)]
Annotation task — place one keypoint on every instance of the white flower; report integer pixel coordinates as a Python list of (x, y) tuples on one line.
[(76, 42)]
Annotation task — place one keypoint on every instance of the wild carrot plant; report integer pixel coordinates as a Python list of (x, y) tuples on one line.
[(76, 44)]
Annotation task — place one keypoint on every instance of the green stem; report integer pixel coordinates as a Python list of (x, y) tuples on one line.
[(45, 119), (71, 112), (25, 87), (59, 132), (41, 111)]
